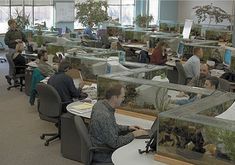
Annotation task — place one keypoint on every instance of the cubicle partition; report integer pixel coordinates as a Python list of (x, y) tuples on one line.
[(202, 132)]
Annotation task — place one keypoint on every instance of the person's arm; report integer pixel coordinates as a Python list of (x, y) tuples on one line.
[(24, 37), (185, 101), (110, 135), (75, 93), (193, 81)]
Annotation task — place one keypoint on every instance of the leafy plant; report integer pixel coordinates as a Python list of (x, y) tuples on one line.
[(91, 11), (21, 20), (143, 21), (212, 12)]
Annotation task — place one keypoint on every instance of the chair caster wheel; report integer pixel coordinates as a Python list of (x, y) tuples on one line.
[(46, 143), (8, 89), (42, 137)]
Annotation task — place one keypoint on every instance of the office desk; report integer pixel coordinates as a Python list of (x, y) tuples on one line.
[(134, 45), (121, 118), (129, 154)]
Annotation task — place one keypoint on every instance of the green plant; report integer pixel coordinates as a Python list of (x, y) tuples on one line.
[(143, 21), (91, 11), (212, 12), (21, 20)]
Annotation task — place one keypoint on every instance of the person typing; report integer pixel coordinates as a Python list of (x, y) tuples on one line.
[(104, 131)]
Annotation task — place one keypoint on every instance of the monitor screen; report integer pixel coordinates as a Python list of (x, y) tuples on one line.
[(227, 57), (180, 50)]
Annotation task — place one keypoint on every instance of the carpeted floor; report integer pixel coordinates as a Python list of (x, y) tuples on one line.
[(20, 130)]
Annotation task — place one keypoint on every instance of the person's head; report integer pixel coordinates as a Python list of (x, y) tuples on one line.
[(161, 44), (19, 47), (42, 55), (64, 66), (12, 24), (204, 70), (198, 52), (115, 95), (211, 83), (90, 23)]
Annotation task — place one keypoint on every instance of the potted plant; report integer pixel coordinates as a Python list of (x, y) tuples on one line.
[(21, 20), (143, 21), (94, 11)]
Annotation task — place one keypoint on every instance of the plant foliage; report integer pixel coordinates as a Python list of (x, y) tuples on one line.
[(94, 11), (143, 21), (212, 12), (21, 20)]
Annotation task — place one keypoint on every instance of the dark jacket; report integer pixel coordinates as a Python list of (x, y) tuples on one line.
[(11, 36), (65, 87)]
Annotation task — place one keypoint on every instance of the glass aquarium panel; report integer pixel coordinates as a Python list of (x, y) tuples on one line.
[(147, 89), (202, 132)]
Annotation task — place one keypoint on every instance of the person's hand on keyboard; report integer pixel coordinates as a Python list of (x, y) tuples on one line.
[(139, 132), (134, 128)]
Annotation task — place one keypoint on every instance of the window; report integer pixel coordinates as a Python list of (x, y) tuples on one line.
[(122, 10), (4, 17), (153, 10), (43, 11)]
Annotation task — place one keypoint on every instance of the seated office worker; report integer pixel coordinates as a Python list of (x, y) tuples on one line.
[(104, 131), (192, 65), (18, 60), (199, 81), (211, 83), (159, 56), (88, 31), (45, 68), (65, 86)]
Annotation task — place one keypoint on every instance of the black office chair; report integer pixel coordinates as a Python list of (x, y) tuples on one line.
[(49, 108), (88, 150), (182, 78), (18, 74)]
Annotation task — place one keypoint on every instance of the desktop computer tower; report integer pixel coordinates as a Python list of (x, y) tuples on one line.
[(71, 147)]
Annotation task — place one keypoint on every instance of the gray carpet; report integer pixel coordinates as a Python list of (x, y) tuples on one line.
[(20, 130)]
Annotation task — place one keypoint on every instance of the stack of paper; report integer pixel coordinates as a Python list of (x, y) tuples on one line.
[(82, 108)]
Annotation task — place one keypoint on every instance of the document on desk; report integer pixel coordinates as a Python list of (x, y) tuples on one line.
[(82, 108)]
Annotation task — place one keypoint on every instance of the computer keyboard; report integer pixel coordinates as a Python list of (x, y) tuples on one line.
[(143, 137)]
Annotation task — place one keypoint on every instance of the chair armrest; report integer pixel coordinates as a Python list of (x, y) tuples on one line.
[(104, 149)]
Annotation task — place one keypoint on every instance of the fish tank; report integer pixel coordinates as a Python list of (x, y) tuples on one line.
[(148, 90), (201, 132), (92, 61)]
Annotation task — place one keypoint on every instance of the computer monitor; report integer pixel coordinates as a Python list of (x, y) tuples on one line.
[(227, 57), (115, 66), (99, 68), (180, 50), (147, 93)]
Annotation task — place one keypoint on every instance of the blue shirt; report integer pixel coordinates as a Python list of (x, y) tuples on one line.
[(88, 32), (192, 67)]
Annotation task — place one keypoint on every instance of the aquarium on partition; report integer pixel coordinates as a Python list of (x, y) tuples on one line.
[(200, 133), (147, 89)]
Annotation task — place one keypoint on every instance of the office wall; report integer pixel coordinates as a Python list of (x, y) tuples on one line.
[(185, 10), (64, 14), (168, 10)]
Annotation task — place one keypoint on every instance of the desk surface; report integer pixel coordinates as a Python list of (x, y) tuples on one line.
[(129, 154), (121, 119)]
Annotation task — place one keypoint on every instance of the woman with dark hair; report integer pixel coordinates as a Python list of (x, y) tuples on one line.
[(159, 56)]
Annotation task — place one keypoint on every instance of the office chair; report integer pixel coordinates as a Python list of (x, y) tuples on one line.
[(18, 73), (224, 85), (49, 108), (182, 78), (88, 150)]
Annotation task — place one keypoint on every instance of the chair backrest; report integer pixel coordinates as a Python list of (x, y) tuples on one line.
[(181, 73), (85, 138), (10, 61), (224, 85), (50, 101)]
